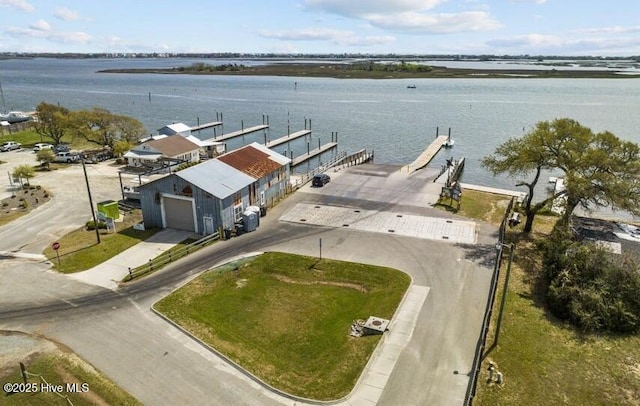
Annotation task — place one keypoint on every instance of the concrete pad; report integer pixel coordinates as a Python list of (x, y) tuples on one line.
[(409, 225), (383, 361), (112, 271)]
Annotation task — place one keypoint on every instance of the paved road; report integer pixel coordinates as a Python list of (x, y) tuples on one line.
[(118, 334)]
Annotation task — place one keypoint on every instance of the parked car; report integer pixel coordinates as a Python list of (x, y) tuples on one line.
[(10, 145), (42, 145), (67, 157), (61, 148), (320, 179)]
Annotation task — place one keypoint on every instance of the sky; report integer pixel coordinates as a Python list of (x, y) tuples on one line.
[(466, 27)]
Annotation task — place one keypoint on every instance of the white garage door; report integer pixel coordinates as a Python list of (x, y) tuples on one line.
[(178, 213)]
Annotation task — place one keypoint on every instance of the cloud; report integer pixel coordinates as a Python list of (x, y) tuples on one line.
[(436, 23), (43, 30), (411, 16), (339, 37), (360, 9), (609, 30), (529, 1), (66, 14), (40, 25), (17, 4), (537, 43)]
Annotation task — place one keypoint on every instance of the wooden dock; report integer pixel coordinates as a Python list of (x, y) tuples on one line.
[(206, 125), (239, 133), (428, 154), (305, 157), (287, 138)]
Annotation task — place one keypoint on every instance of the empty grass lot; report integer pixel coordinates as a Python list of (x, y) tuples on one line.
[(286, 318)]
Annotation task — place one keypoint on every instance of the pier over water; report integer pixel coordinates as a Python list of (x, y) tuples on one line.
[(428, 154)]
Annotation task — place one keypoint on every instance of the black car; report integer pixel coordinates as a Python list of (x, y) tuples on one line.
[(320, 179)]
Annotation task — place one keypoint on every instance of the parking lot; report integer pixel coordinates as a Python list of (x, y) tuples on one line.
[(68, 210)]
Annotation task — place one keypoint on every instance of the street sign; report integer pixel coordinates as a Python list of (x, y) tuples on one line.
[(55, 246)]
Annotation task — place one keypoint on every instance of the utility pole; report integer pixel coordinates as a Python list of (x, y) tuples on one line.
[(93, 213)]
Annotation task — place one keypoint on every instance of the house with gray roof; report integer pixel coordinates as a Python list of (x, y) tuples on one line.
[(214, 194)]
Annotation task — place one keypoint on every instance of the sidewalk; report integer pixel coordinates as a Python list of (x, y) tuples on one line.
[(110, 272)]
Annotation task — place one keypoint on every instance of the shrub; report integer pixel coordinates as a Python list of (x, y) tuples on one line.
[(588, 288), (91, 225)]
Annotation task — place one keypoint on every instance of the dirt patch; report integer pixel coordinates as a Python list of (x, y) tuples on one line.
[(18, 347), (23, 201), (359, 288)]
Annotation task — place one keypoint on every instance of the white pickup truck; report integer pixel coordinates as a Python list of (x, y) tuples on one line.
[(67, 157)]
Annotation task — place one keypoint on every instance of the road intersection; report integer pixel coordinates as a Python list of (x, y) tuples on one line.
[(116, 331)]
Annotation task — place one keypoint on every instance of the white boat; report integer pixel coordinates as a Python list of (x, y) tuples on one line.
[(12, 116), (15, 117)]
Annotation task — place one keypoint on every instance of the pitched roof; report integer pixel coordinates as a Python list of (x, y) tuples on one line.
[(255, 160), (216, 177), (172, 146), (175, 128)]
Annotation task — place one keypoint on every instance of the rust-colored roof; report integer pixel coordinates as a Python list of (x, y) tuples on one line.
[(173, 145), (251, 161)]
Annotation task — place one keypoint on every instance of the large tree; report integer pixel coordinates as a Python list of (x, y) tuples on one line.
[(104, 128), (600, 169), (52, 121)]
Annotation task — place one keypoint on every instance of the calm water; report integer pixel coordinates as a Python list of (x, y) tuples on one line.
[(383, 115)]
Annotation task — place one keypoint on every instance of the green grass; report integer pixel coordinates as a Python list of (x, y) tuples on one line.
[(546, 361), (28, 138), (60, 368), (80, 251), (286, 318), (483, 206)]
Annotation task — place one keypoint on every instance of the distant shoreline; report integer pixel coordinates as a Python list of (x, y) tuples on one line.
[(341, 71)]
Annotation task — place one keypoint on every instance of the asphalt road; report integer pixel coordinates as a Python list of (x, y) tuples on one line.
[(118, 334)]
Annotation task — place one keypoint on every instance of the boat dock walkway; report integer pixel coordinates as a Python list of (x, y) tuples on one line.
[(428, 154), (305, 157), (206, 125), (520, 196), (238, 133), (287, 138)]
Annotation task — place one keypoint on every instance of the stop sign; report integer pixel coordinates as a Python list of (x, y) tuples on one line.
[(55, 245)]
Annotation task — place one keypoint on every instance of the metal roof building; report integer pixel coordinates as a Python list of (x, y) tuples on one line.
[(214, 194)]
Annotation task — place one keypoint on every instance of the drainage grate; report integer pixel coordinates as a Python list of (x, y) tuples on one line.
[(316, 207), (392, 231), (449, 221), (345, 225), (357, 211), (444, 237), (398, 215), (303, 219)]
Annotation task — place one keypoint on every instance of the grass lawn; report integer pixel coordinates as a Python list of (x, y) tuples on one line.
[(483, 206), (286, 318), (546, 361), (28, 138), (60, 368), (80, 251)]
